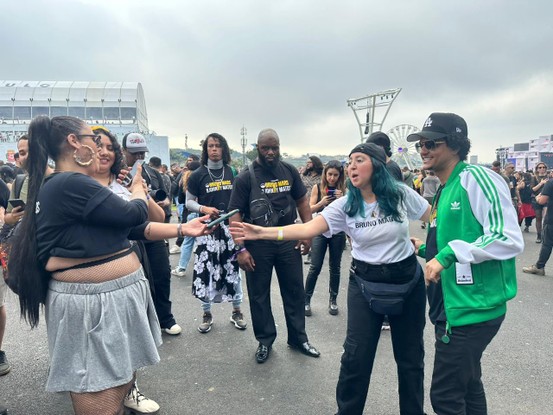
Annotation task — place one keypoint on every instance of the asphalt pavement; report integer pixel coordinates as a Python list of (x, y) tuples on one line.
[(216, 373)]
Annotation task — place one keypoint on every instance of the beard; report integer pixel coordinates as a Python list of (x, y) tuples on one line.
[(269, 163)]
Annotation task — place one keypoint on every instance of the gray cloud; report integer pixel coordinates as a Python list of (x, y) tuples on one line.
[(216, 65)]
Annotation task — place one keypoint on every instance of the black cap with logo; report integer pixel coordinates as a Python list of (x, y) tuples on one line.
[(439, 125)]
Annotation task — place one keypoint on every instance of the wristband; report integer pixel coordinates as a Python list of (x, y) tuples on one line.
[(280, 235), (232, 258), (179, 231)]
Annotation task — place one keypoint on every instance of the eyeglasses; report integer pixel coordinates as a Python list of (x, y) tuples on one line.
[(429, 145), (97, 139)]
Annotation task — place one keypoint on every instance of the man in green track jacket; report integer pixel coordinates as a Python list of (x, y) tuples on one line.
[(470, 267)]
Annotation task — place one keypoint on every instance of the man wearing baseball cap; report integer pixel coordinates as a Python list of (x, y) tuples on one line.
[(135, 148), (470, 262)]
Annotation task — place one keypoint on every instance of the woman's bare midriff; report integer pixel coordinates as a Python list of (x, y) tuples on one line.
[(106, 271)]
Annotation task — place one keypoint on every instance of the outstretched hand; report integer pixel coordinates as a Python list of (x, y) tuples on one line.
[(241, 232), (197, 227)]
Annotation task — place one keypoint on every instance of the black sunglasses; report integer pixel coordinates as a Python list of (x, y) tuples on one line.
[(429, 145), (97, 139)]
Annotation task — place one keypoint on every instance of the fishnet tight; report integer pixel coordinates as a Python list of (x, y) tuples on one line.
[(107, 271), (106, 402)]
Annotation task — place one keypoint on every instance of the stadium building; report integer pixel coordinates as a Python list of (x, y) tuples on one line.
[(118, 106)]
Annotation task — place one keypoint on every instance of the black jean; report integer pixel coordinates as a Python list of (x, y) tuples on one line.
[(158, 257), (363, 333), (546, 246), (286, 261), (319, 245), (457, 387)]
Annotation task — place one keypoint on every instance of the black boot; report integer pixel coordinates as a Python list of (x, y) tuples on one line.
[(307, 306), (538, 240), (332, 306)]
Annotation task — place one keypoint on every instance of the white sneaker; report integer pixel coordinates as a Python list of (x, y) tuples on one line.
[(139, 404), (179, 272), (174, 330), (175, 249)]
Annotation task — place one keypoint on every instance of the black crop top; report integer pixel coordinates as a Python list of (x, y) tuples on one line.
[(77, 217)]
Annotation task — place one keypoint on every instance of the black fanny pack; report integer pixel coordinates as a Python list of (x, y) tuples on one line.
[(395, 273), (387, 298)]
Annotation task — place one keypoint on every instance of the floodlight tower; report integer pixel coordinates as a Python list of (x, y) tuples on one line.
[(243, 141), (373, 106)]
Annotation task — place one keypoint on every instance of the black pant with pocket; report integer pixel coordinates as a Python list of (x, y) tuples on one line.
[(363, 333), (457, 387)]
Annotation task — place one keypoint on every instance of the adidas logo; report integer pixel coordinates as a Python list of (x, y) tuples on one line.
[(455, 206)]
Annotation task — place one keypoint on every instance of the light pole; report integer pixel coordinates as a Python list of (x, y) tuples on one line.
[(243, 141)]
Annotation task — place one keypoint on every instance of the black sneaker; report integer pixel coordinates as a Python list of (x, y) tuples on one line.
[(4, 365), (237, 318), (3, 410), (207, 322)]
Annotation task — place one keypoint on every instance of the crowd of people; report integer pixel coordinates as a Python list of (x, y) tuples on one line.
[(99, 233)]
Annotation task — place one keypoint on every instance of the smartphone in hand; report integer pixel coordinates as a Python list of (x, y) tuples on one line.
[(17, 203), (222, 218)]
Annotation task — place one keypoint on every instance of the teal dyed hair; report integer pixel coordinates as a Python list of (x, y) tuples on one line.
[(387, 190)]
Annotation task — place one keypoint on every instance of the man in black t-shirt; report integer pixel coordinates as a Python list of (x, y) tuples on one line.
[(544, 198), (282, 185), (135, 148)]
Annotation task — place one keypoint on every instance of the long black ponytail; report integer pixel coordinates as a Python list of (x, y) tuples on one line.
[(46, 138)]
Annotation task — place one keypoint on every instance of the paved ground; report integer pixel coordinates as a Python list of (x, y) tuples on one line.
[(216, 373)]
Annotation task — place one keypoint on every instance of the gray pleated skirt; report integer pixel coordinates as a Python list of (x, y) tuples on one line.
[(100, 334)]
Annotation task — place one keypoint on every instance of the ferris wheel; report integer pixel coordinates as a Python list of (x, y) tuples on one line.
[(404, 152)]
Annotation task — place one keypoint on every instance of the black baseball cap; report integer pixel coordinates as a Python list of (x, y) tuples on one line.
[(381, 139), (439, 125)]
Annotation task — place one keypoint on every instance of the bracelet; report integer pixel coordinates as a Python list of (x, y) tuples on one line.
[(280, 235), (232, 258), (179, 231)]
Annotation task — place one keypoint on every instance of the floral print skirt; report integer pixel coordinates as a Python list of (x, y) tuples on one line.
[(215, 271)]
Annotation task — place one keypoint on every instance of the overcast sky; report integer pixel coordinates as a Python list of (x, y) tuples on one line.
[(209, 66)]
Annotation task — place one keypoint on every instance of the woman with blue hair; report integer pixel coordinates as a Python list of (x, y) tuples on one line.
[(385, 277)]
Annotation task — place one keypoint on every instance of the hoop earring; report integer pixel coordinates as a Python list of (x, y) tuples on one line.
[(78, 157)]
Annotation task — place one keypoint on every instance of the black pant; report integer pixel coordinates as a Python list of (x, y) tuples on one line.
[(363, 333), (335, 246), (546, 246), (286, 260), (457, 387), (158, 258)]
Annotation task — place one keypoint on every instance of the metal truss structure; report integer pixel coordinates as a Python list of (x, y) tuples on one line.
[(375, 108)]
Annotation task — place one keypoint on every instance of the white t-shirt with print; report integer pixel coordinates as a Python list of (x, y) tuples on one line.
[(376, 239)]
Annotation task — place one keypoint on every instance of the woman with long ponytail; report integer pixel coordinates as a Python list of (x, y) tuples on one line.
[(72, 255)]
